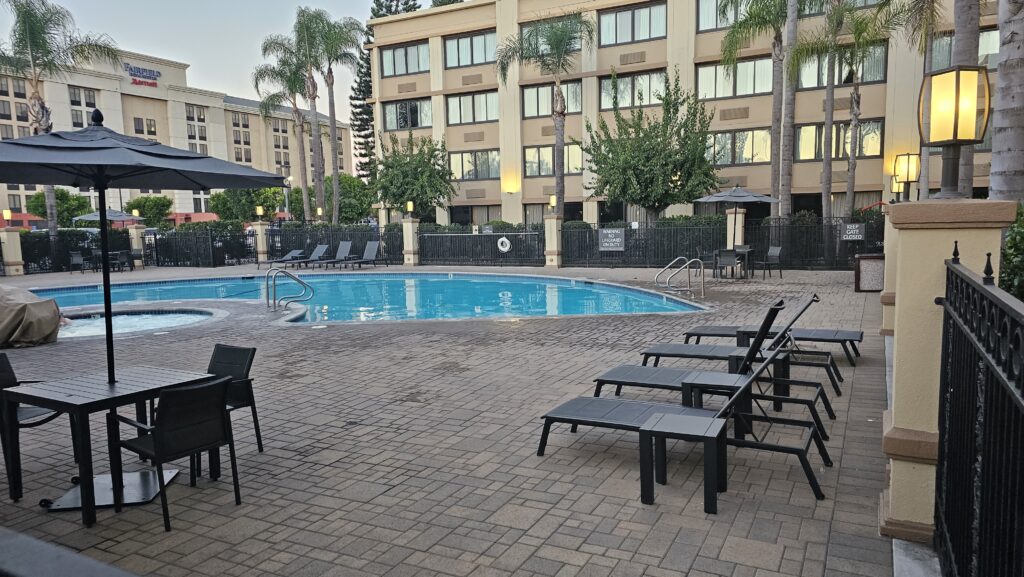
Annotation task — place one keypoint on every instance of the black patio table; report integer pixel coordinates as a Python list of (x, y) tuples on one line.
[(81, 396)]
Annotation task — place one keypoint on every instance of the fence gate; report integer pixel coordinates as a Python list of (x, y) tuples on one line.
[(979, 489)]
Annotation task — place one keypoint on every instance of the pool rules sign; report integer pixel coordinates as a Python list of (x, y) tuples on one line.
[(853, 232), (611, 239)]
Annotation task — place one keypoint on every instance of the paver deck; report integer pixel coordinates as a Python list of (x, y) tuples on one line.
[(408, 449)]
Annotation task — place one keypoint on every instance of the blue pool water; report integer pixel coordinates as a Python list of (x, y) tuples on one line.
[(370, 297)]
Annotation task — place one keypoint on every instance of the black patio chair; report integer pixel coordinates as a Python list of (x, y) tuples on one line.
[(28, 415), (772, 259), (235, 363), (726, 259), (77, 260), (189, 420), (124, 261)]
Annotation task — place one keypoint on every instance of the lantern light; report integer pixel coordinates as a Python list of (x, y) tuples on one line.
[(553, 201), (7, 214), (907, 167), (319, 211), (135, 212), (259, 211), (409, 207), (958, 106)]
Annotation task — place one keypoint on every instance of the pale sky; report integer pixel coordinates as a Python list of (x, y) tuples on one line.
[(220, 39)]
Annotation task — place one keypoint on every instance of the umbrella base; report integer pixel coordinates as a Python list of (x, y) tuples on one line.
[(140, 487)]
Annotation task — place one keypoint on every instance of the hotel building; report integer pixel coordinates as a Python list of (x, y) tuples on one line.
[(434, 74), (150, 98)]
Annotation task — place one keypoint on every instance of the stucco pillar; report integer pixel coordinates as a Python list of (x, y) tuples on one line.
[(411, 240), (591, 211), (553, 241), (926, 231), (442, 216), (888, 296), (10, 245), (135, 240), (259, 229), (735, 219)]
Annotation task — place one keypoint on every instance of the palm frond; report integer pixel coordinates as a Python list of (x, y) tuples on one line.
[(761, 17), (551, 45)]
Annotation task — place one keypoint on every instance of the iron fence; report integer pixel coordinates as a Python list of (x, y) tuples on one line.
[(979, 489), (645, 246), (199, 248), (280, 241), (815, 243), (41, 253), (488, 249)]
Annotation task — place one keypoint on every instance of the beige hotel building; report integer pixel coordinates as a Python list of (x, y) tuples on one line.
[(434, 73), (149, 97)]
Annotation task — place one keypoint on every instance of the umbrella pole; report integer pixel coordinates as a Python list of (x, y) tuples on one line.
[(108, 321)]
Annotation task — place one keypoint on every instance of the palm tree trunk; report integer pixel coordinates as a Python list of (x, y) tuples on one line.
[(329, 80), (41, 124), (316, 146), (924, 186), (965, 52), (776, 131), (1007, 175), (300, 135), (558, 154), (785, 206), (851, 164), (826, 139)]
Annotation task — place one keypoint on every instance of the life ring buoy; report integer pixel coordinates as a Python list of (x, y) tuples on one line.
[(504, 244)]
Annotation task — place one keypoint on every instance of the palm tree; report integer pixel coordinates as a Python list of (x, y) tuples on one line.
[(551, 46), (44, 44), (1006, 179), (923, 17), (277, 84), (966, 19), (338, 42), (785, 205), (760, 18)]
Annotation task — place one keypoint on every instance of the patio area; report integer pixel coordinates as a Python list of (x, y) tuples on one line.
[(409, 448)]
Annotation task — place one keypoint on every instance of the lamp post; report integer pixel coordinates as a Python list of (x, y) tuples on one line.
[(409, 207), (905, 170), (287, 193), (958, 115)]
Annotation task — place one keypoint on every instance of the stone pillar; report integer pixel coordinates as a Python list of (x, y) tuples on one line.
[(411, 240), (735, 218), (925, 232), (260, 229), (553, 241), (888, 295), (135, 233), (10, 245), (591, 212)]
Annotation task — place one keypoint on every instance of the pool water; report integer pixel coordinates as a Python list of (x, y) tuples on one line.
[(128, 323), (402, 296)]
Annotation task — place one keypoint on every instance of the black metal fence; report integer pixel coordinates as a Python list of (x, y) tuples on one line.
[(816, 243), (280, 241), (42, 254), (199, 248), (645, 246), (979, 492), (489, 249)]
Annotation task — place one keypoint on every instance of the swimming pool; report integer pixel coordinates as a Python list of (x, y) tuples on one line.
[(402, 296)]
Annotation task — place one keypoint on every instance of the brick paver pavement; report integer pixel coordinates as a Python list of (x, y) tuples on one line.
[(408, 449)]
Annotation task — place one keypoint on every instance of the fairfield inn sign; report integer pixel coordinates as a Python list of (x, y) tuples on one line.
[(142, 76)]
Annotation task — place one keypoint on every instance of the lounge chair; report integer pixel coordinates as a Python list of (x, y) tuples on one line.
[(847, 339), (369, 255), (291, 256), (316, 256), (342, 256)]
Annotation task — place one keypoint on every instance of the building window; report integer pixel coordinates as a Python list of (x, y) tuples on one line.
[(238, 154), (813, 72), (4, 86), (245, 138), (90, 98), (537, 100), (412, 59), (190, 113), (740, 147), (408, 114), (248, 154), (817, 7), (538, 160), (5, 109), (234, 119), (19, 87), (245, 120), (200, 114), (988, 50), (14, 202), (24, 131), (139, 127), (6, 132), (709, 17), (746, 78), (286, 159), (203, 150), (525, 31), (643, 89), (200, 204), (192, 147), (75, 95), (472, 108), (479, 165), (236, 136), (631, 24), (191, 129), (77, 119), (809, 140), (21, 111), (202, 132), (470, 50), (151, 127)]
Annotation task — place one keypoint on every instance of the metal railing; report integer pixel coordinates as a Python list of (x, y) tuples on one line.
[(648, 245), (41, 253), (814, 243), (489, 249), (198, 248), (979, 489), (689, 277), (270, 289)]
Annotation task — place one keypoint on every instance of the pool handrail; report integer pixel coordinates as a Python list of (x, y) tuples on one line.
[(270, 290)]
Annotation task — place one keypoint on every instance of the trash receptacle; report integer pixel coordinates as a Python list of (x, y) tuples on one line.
[(869, 272)]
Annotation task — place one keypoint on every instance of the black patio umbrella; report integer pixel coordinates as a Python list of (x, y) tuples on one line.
[(101, 158), (737, 196), (112, 216)]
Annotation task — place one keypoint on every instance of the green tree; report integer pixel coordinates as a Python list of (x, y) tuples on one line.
[(44, 44), (240, 203), (436, 3), (357, 199), (68, 206), (414, 169), (153, 209), (653, 160), (553, 47)]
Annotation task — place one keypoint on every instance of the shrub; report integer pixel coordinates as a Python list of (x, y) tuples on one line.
[(214, 226), (1011, 271), (691, 220), (576, 225)]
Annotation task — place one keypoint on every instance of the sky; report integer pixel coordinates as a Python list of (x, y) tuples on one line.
[(220, 39)]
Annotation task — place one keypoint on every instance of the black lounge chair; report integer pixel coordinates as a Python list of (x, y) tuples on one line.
[(28, 416), (847, 339), (189, 420), (369, 255), (314, 257), (290, 257), (343, 255)]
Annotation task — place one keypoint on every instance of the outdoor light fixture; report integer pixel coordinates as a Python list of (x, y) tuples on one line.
[(409, 207), (905, 170), (895, 187), (287, 190), (7, 215), (957, 108), (259, 212), (319, 211), (135, 212), (553, 201)]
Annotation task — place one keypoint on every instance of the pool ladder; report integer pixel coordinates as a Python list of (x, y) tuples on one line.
[(689, 278), (270, 289)]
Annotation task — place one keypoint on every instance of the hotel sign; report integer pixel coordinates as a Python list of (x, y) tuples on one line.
[(142, 76)]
